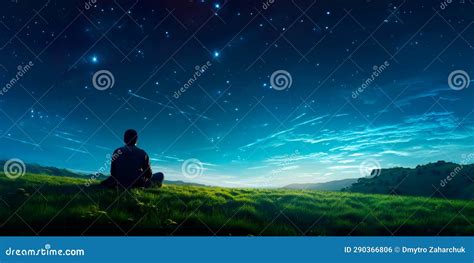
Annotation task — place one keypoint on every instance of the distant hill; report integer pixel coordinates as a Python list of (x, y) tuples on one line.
[(327, 186), (39, 169), (54, 171), (452, 181)]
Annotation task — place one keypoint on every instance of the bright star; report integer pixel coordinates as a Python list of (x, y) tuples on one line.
[(95, 59), (216, 54), (217, 5)]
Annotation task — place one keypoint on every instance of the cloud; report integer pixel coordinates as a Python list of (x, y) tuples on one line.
[(398, 153), (168, 106), (74, 150), (407, 100), (346, 161), (281, 133), (343, 167), (338, 153), (67, 138), (299, 116), (257, 167)]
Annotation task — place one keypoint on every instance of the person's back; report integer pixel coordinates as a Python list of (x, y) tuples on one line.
[(130, 166)]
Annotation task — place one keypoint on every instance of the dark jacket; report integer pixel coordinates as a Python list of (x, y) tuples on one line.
[(130, 166)]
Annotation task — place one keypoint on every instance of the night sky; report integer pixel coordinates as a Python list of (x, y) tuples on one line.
[(373, 84)]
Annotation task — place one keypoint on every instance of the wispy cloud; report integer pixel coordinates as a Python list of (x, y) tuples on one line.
[(74, 150), (170, 106), (338, 154)]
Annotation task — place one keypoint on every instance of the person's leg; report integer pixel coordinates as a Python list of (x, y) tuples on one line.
[(157, 179), (109, 182), (142, 182)]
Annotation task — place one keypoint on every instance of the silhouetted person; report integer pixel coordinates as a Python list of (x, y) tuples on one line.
[(130, 166)]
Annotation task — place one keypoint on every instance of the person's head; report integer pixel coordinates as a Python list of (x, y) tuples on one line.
[(130, 137)]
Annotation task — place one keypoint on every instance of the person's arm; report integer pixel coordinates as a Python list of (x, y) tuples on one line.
[(113, 164), (147, 173)]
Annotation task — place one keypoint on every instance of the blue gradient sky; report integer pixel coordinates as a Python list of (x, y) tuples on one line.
[(244, 132)]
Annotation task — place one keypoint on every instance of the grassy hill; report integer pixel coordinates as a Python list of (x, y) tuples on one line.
[(51, 205), (40, 169), (440, 179), (327, 186)]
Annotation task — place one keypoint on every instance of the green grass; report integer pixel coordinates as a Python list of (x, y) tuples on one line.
[(47, 205)]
